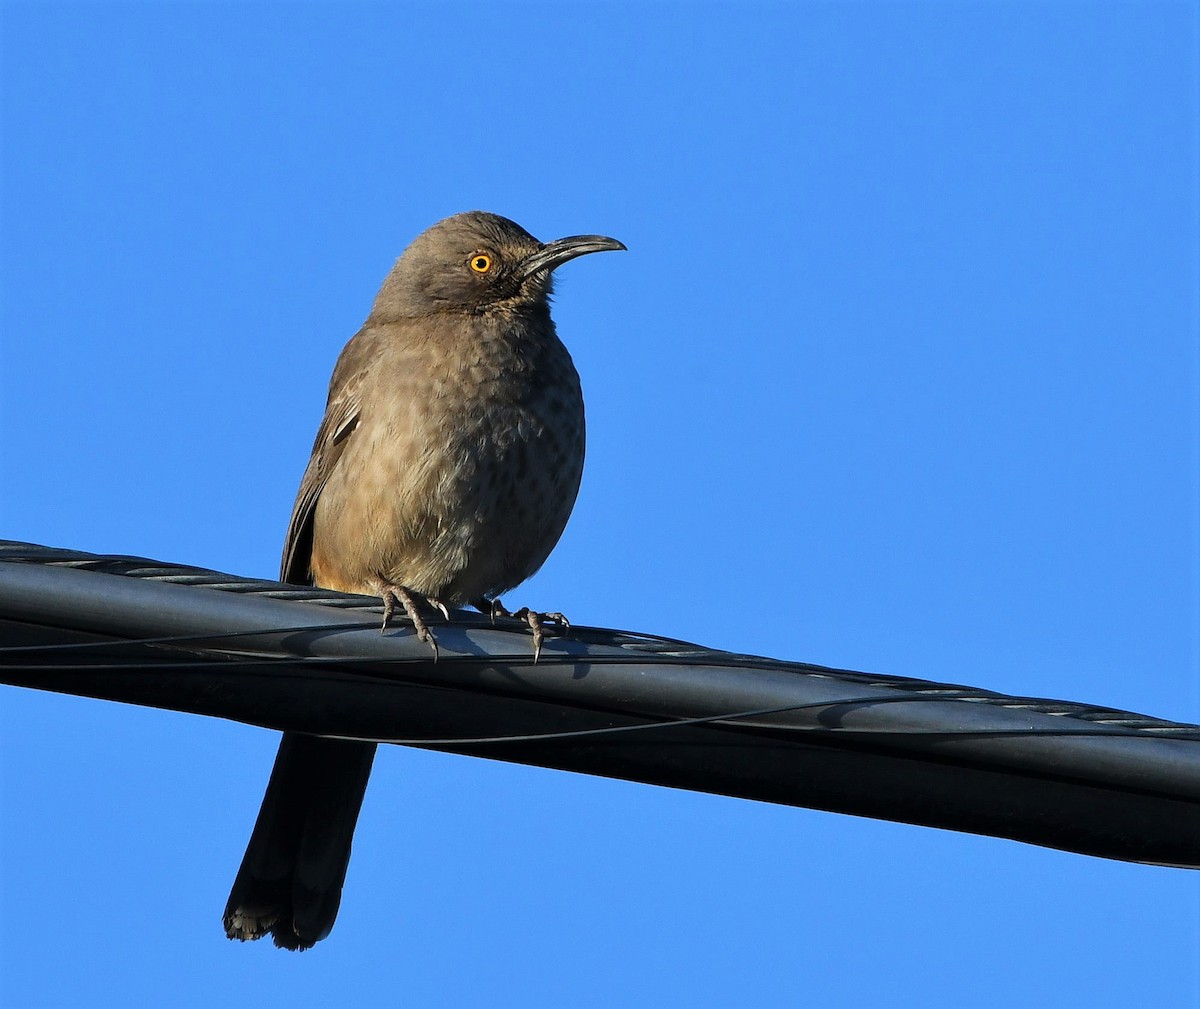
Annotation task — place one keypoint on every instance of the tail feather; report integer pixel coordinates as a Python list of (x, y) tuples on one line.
[(290, 880)]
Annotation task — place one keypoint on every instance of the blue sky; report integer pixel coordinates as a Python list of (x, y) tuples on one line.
[(902, 361)]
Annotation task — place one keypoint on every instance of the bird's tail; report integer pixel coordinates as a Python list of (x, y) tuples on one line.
[(290, 880)]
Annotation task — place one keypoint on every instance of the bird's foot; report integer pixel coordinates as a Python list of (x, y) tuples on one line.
[(535, 620), (394, 595)]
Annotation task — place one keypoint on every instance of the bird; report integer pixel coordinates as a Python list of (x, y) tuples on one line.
[(443, 473)]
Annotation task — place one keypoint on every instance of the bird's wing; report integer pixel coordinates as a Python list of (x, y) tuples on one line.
[(342, 413)]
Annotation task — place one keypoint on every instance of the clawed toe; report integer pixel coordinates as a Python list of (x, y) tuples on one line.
[(532, 618), (394, 595), (492, 607)]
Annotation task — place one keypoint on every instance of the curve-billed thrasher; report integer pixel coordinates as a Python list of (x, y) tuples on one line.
[(443, 472)]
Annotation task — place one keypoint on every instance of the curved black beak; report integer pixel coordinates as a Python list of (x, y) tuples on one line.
[(554, 254)]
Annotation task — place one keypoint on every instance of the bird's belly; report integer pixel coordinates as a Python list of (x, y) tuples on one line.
[(468, 507)]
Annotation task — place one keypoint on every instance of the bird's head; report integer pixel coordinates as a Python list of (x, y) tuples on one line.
[(476, 263)]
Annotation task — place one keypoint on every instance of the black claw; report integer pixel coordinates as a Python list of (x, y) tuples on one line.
[(432, 642), (389, 607)]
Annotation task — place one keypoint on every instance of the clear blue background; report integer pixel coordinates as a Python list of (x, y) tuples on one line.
[(899, 373)]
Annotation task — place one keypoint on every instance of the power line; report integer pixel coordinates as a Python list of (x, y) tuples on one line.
[(628, 705)]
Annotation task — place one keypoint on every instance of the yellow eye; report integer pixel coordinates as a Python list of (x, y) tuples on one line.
[(481, 263)]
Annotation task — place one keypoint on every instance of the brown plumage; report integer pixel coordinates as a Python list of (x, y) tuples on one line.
[(444, 471)]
